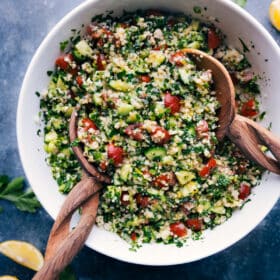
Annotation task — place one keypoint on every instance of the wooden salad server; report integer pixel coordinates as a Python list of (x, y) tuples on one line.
[(245, 133), (64, 243)]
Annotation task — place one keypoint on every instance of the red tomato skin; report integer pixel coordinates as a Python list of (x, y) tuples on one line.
[(205, 171), (172, 102), (165, 180), (134, 132), (178, 229), (145, 78), (141, 200), (177, 58), (195, 224), (124, 202), (101, 62), (244, 190), (133, 236), (115, 153), (79, 80), (248, 110), (214, 40), (103, 165), (164, 139), (88, 124), (63, 61)]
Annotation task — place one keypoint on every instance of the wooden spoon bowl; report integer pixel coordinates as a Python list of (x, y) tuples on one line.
[(245, 133)]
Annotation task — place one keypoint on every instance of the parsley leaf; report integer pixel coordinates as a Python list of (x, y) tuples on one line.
[(67, 274), (241, 3), (14, 192)]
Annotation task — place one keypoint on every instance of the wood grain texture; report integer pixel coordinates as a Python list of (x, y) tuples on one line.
[(225, 92), (248, 136), (64, 244)]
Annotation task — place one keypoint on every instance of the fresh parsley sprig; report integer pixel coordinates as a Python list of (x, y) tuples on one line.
[(13, 191)]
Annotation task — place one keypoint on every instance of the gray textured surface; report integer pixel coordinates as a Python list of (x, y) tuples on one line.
[(23, 25)]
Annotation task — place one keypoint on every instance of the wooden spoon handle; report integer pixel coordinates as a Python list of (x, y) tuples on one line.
[(248, 135), (90, 169), (64, 244)]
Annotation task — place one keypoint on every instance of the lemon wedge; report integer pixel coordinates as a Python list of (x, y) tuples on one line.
[(274, 13), (8, 277), (23, 253)]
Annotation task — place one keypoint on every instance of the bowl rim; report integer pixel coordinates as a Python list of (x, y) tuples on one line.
[(76, 10)]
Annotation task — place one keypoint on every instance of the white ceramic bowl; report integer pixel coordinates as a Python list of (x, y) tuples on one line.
[(235, 23)]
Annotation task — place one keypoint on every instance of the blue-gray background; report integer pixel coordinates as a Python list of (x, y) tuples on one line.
[(23, 25)]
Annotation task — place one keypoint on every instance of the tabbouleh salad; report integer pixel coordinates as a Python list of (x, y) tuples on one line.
[(147, 117)]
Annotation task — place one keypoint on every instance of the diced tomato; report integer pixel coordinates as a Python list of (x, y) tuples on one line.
[(142, 200), (172, 102), (165, 180), (79, 80), (214, 40), (125, 198), (145, 78), (179, 229), (205, 171), (133, 236), (160, 135), (103, 165), (63, 61), (202, 129), (195, 224), (244, 190), (97, 32), (178, 58), (212, 163), (101, 62), (115, 153), (88, 124), (134, 131), (248, 109)]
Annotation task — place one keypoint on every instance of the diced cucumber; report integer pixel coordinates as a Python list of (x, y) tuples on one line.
[(141, 67), (218, 209), (194, 45), (124, 109), (184, 75), (78, 56), (133, 117), (97, 99), (51, 136), (195, 25), (191, 132), (160, 110), (184, 177), (51, 148), (157, 152), (84, 49), (125, 171), (189, 188), (156, 58), (120, 85)]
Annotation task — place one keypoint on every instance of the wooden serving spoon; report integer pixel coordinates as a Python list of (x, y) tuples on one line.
[(243, 132), (64, 244)]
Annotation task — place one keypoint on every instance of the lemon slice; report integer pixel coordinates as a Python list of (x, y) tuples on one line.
[(8, 277), (23, 253), (274, 13)]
